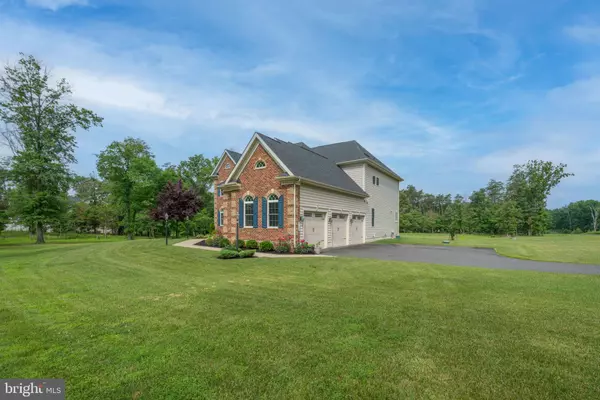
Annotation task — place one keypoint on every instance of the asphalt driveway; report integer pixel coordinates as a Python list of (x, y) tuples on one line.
[(460, 256)]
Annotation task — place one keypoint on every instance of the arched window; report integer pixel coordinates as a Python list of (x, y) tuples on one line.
[(260, 164), (227, 166), (273, 211), (249, 211)]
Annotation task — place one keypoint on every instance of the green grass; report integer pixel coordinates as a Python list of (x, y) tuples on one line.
[(581, 249), (141, 320), (23, 238)]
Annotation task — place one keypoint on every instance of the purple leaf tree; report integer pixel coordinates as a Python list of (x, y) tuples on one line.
[(179, 203)]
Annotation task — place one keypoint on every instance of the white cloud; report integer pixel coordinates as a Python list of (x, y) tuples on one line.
[(120, 93), (584, 33), (55, 5)]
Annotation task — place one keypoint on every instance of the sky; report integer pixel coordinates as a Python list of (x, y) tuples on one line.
[(447, 93)]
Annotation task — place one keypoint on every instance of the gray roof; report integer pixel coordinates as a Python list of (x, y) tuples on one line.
[(349, 151), (305, 163), (234, 155)]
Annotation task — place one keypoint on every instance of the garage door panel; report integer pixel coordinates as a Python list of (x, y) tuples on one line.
[(338, 229), (314, 227), (357, 229)]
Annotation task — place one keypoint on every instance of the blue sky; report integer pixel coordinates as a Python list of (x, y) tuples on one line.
[(448, 93)]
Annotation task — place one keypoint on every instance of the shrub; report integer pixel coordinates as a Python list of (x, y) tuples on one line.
[(578, 231), (265, 246), (217, 240), (230, 247), (224, 242), (304, 248), (228, 254), (282, 247), (251, 244), (241, 244), (247, 253), (209, 242)]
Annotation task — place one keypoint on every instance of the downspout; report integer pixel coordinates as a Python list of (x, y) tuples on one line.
[(295, 230)]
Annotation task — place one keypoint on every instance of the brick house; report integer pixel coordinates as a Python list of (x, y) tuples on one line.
[(334, 195)]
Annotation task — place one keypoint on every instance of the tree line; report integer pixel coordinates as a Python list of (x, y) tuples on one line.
[(515, 207), (130, 194)]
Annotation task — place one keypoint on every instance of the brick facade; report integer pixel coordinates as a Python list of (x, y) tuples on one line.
[(257, 183), (222, 175)]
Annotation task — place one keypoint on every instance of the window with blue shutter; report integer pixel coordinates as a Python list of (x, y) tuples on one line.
[(255, 213), (241, 213), (281, 211), (264, 212), (219, 218)]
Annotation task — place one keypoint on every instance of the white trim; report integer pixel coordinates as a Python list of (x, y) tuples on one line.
[(253, 211), (216, 170), (269, 201), (246, 155), (258, 161), (310, 182), (374, 165), (221, 216)]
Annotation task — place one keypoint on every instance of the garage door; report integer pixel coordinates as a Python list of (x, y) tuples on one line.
[(338, 229), (356, 229), (314, 227)]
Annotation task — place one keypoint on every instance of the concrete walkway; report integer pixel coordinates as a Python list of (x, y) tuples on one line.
[(459, 256), (191, 244)]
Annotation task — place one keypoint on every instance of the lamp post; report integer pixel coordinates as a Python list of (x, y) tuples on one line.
[(167, 229)]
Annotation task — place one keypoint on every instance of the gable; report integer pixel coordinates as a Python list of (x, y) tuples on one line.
[(223, 171)]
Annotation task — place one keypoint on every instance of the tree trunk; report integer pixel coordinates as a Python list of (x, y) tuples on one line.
[(40, 233)]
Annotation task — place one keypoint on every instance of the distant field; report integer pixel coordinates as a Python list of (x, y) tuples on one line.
[(582, 249), (20, 238)]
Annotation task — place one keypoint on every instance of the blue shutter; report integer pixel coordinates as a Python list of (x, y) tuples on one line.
[(264, 212), (219, 218), (241, 213), (255, 212), (281, 211)]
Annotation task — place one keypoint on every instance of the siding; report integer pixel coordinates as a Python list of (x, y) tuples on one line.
[(384, 199), (318, 199), (357, 173)]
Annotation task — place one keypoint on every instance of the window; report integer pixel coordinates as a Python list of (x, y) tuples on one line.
[(219, 192), (220, 217), (273, 211), (227, 166), (396, 216), (372, 217), (377, 181), (249, 212), (373, 179), (260, 164)]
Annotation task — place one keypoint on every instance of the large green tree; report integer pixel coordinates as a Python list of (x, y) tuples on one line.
[(40, 124), (132, 174), (529, 186), (4, 192)]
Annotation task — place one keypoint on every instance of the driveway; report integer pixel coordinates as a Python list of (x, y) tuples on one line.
[(460, 256)]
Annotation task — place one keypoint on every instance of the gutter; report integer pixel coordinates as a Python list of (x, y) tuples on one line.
[(296, 179), (372, 164)]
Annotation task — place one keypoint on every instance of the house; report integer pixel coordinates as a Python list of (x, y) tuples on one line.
[(334, 195)]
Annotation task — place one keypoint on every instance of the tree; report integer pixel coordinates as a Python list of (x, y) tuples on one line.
[(595, 211), (131, 173), (39, 126), (180, 204), (4, 192), (508, 217), (195, 172), (529, 186), (93, 194)]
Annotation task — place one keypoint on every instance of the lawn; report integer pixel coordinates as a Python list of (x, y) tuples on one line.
[(581, 249), (23, 238), (140, 320)]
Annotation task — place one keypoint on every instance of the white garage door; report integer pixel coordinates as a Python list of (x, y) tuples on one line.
[(314, 227), (338, 229), (356, 229)]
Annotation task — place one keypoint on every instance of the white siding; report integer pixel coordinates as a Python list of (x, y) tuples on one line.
[(317, 199), (384, 199), (357, 173)]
